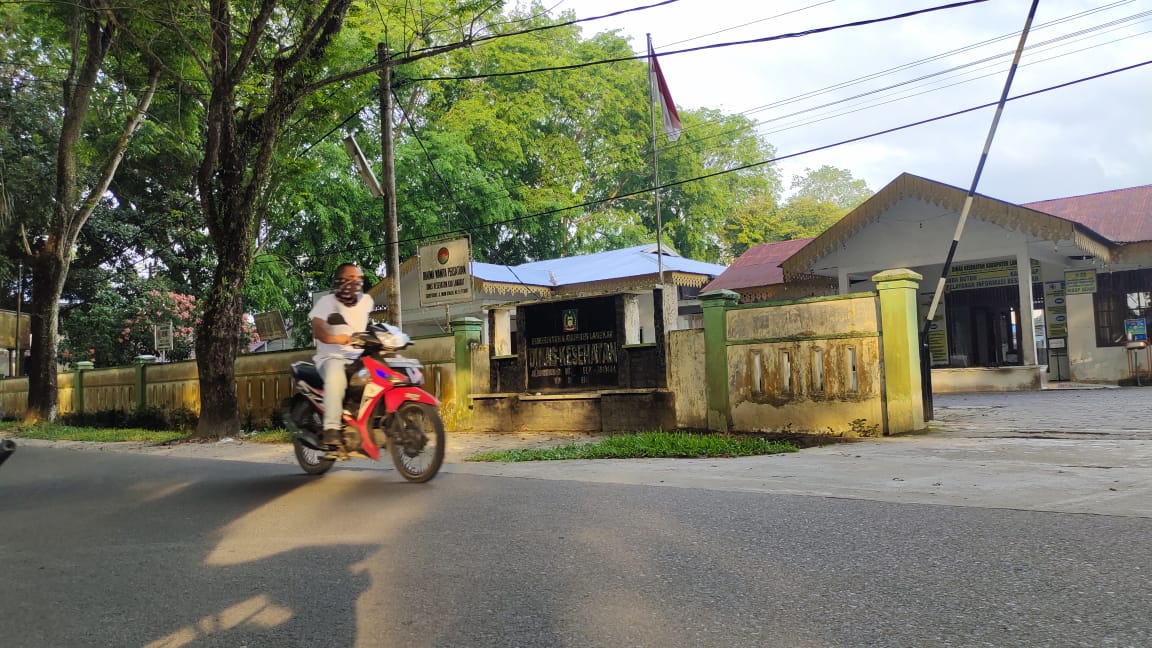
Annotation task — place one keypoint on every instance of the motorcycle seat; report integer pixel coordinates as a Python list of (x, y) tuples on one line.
[(307, 372)]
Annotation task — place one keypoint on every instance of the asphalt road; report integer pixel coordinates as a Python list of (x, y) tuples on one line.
[(135, 549)]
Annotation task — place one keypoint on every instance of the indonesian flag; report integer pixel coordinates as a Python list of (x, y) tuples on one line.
[(671, 118)]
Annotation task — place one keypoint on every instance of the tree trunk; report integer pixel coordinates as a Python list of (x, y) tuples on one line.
[(48, 274), (218, 340)]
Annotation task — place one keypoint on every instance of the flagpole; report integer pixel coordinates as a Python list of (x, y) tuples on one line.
[(655, 164)]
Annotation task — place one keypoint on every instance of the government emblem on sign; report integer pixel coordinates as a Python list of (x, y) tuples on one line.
[(442, 256), (569, 317)]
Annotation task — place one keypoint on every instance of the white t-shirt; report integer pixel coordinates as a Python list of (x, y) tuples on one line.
[(357, 320)]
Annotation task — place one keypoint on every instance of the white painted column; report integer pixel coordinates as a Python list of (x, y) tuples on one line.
[(845, 284), (1024, 283), (502, 335), (631, 319)]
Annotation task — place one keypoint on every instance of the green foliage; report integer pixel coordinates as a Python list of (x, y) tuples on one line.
[(61, 432), (150, 418), (861, 428), (650, 445), (823, 197), (112, 331), (760, 220), (829, 184)]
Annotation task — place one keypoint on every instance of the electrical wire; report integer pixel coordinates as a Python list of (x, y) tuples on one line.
[(765, 39)]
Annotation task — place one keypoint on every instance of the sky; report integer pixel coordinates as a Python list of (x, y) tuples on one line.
[(821, 89)]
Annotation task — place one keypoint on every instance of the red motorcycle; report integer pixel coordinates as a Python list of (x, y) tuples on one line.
[(384, 407)]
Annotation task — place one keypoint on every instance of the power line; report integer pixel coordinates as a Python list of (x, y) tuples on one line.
[(783, 102), (766, 39), (567, 23)]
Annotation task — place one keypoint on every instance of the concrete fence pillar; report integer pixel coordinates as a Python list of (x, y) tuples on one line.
[(466, 331), (140, 381), (716, 304), (81, 367), (900, 350)]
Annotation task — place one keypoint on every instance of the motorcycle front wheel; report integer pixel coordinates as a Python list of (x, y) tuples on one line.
[(416, 441)]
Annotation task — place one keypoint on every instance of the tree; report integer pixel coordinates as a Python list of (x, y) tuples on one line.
[(824, 196), (87, 155), (831, 185), (261, 66)]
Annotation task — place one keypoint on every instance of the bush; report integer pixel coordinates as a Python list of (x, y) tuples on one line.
[(148, 418)]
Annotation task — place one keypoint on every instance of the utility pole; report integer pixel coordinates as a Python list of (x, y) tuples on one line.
[(391, 232), (19, 303)]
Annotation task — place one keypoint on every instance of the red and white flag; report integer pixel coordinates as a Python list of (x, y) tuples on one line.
[(668, 112)]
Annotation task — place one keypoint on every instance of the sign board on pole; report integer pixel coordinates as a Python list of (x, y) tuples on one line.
[(270, 326), (446, 272), (163, 336)]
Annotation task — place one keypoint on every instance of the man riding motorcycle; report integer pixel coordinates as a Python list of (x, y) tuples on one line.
[(333, 349)]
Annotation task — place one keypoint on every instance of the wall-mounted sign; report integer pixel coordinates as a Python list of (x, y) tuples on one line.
[(572, 344), (1079, 282), (446, 272), (1136, 330), (987, 274), (1055, 309)]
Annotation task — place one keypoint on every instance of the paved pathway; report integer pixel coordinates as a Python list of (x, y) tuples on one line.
[(1057, 413)]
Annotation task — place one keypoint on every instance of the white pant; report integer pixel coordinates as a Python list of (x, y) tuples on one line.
[(335, 384)]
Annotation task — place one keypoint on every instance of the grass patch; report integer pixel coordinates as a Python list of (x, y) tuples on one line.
[(650, 445), (58, 432)]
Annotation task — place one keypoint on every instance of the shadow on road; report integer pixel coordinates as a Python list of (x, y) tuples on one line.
[(179, 552)]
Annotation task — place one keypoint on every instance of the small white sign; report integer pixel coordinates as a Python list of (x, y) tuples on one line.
[(163, 336)]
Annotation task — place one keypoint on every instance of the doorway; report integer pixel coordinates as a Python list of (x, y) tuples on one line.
[(985, 327)]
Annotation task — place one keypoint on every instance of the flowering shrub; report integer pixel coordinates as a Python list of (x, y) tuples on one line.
[(160, 308)]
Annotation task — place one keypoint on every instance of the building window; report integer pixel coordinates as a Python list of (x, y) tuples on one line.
[(1120, 296)]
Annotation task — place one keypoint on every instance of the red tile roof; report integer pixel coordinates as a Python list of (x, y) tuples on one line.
[(759, 266), (1122, 215)]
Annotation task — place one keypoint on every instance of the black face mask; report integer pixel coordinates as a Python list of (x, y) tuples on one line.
[(348, 291)]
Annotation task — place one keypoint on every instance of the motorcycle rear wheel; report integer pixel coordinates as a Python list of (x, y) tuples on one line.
[(416, 441), (311, 460)]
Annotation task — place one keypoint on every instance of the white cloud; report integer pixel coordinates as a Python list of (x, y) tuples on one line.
[(1089, 137)]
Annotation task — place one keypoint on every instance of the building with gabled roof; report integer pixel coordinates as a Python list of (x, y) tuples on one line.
[(497, 288), (1089, 259), (756, 275)]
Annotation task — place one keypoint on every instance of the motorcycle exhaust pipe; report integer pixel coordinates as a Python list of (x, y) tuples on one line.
[(7, 447)]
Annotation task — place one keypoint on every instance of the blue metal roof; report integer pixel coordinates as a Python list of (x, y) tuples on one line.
[(633, 261)]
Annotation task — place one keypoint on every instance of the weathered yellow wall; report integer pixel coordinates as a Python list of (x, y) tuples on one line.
[(775, 383), (985, 379), (807, 318), (108, 389), (8, 329), (686, 376), (263, 382), (13, 396)]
